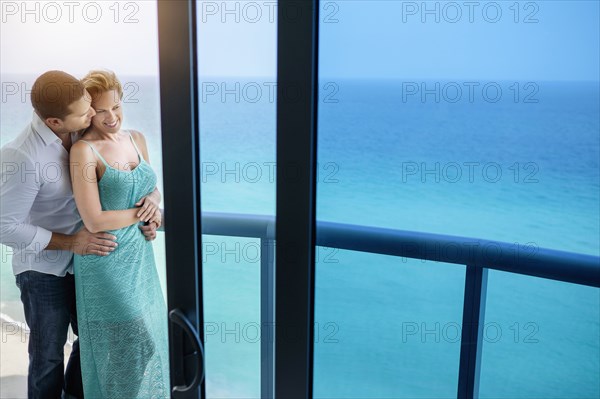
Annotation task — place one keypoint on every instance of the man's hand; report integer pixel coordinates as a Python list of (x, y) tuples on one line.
[(86, 243), (156, 218), (149, 231)]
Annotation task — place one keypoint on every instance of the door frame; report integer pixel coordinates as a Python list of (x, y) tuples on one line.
[(181, 171), (297, 93), (295, 229)]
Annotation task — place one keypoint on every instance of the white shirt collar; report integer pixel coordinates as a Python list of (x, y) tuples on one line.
[(44, 131)]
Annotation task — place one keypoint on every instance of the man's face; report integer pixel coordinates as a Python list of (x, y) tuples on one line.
[(81, 114)]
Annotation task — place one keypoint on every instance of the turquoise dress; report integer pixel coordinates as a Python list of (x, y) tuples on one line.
[(122, 316)]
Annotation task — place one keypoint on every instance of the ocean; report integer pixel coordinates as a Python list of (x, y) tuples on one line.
[(521, 167)]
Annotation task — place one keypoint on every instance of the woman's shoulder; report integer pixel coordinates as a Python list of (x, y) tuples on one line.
[(88, 141), (136, 134), (81, 148), (138, 137)]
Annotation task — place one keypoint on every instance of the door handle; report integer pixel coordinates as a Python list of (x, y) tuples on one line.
[(178, 317)]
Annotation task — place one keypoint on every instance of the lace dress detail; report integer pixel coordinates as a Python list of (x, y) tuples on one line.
[(122, 315)]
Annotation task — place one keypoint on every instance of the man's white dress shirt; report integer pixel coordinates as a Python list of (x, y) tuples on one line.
[(36, 199)]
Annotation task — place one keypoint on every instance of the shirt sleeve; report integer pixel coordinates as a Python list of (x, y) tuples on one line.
[(20, 182)]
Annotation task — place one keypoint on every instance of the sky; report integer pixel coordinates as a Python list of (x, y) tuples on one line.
[(87, 35), (538, 40), (541, 40), (123, 36)]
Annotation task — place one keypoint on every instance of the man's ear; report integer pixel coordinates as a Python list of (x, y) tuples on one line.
[(54, 122)]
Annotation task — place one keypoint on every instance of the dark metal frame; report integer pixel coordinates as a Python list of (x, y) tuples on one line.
[(297, 80), (181, 160), (471, 342)]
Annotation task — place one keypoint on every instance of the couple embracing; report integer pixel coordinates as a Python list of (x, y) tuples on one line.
[(81, 239)]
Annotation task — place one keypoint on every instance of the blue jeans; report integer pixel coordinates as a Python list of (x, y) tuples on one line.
[(49, 303)]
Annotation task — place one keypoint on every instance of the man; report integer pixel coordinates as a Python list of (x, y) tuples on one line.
[(39, 220)]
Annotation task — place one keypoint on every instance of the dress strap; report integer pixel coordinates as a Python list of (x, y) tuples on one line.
[(135, 145), (96, 152)]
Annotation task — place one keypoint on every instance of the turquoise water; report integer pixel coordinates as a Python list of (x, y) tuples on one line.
[(386, 326)]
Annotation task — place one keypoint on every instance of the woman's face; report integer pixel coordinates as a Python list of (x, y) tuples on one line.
[(109, 114)]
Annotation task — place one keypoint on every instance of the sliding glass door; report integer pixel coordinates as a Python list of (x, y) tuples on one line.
[(223, 76), (442, 222), (219, 92)]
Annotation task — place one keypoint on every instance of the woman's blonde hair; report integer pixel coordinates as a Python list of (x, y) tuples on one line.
[(97, 82)]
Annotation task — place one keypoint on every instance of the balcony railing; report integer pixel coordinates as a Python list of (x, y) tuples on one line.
[(477, 255)]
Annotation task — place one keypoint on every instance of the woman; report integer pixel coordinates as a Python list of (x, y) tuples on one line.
[(120, 306)]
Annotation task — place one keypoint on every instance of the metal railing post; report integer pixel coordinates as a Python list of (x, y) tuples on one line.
[(472, 332), (267, 322)]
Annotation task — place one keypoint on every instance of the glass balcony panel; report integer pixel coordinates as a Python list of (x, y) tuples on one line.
[(386, 327), (541, 339), (232, 328)]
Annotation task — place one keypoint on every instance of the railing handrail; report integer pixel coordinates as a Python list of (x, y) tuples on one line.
[(526, 259)]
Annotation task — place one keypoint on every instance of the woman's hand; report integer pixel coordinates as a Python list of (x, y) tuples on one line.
[(149, 206)]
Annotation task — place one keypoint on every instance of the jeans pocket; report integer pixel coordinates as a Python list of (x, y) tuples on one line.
[(22, 279)]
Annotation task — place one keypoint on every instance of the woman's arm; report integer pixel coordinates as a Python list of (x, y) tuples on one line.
[(87, 198), (150, 203)]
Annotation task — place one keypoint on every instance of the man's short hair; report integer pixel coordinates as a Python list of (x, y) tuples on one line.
[(53, 92), (100, 81)]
